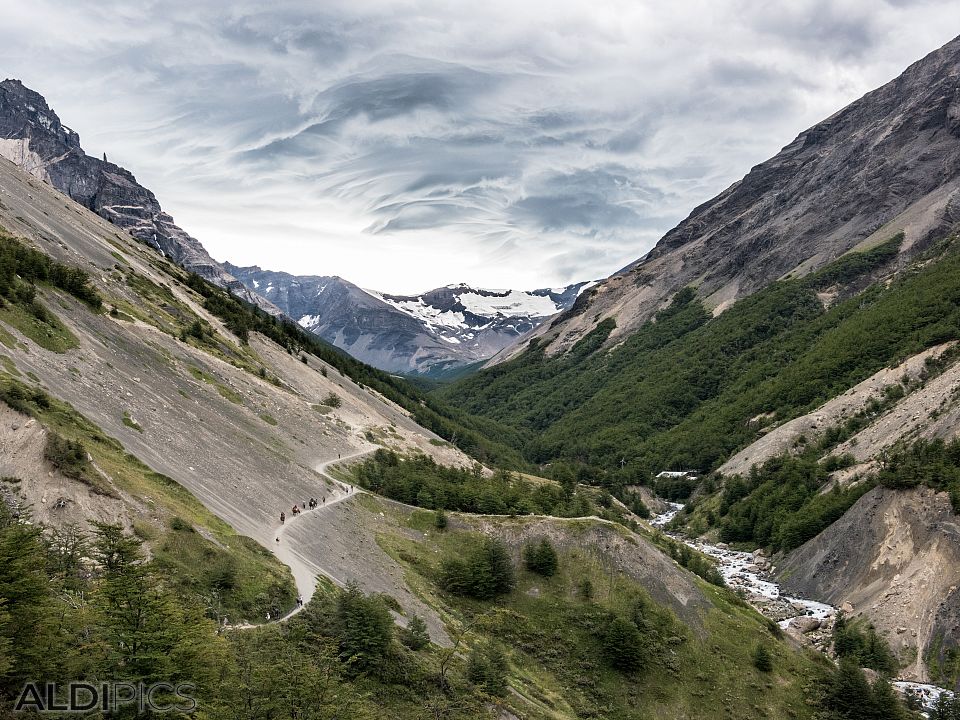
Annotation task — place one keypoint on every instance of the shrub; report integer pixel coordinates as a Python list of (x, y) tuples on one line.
[(541, 558), (180, 525), (440, 520), (332, 400), (762, 660), (585, 589), (67, 456)]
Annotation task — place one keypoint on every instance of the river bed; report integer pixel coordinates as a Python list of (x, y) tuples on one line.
[(745, 572)]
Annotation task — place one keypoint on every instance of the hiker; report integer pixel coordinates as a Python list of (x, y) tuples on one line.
[(304, 505), (283, 517), (324, 499), (268, 616), (299, 601)]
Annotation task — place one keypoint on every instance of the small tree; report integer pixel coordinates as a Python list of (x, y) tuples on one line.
[(415, 635), (440, 520), (541, 558), (623, 645), (762, 660), (487, 668), (364, 627)]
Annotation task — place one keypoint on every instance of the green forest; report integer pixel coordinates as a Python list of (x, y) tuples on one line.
[(681, 392)]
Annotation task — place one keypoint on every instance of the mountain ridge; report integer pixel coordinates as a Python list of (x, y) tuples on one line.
[(433, 332), (885, 163), (33, 137)]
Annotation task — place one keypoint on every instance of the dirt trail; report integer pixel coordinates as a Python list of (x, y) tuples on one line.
[(305, 569)]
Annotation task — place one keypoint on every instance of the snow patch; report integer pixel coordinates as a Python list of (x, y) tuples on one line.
[(513, 302)]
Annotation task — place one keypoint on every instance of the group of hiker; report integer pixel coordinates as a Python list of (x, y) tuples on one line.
[(297, 509)]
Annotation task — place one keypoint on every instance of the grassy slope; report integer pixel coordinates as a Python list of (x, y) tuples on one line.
[(551, 637)]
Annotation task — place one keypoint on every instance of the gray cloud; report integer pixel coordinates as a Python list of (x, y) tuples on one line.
[(407, 145)]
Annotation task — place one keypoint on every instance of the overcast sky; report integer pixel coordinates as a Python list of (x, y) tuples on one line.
[(407, 145)]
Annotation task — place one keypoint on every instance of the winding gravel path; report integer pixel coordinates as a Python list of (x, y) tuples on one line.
[(305, 569)]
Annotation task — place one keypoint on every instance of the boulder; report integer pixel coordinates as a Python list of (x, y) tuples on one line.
[(805, 624)]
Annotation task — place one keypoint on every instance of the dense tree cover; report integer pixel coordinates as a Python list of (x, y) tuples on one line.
[(420, 481), (475, 436), (934, 463), (63, 619), (780, 503), (681, 392), (849, 696), (860, 642), (483, 570), (22, 267)]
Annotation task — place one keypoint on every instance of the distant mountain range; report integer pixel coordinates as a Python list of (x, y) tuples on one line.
[(427, 334)]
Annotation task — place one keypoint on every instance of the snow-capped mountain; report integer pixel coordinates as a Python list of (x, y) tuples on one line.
[(424, 334)]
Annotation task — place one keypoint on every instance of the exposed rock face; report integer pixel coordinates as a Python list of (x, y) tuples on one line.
[(426, 334), (887, 162), (32, 136), (895, 558)]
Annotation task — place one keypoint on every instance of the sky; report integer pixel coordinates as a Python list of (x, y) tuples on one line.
[(409, 145)]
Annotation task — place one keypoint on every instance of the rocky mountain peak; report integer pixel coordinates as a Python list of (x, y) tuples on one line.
[(886, 163), (32, 136), (21, 105)]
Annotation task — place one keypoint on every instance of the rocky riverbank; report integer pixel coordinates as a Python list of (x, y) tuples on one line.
[(750, 574)]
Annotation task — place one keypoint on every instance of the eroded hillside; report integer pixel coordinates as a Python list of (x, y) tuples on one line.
[(243, 427)]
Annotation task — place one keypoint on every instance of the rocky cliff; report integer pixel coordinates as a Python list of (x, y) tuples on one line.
[(888, 162), (894, 557), (427, 334), (32, 136)]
